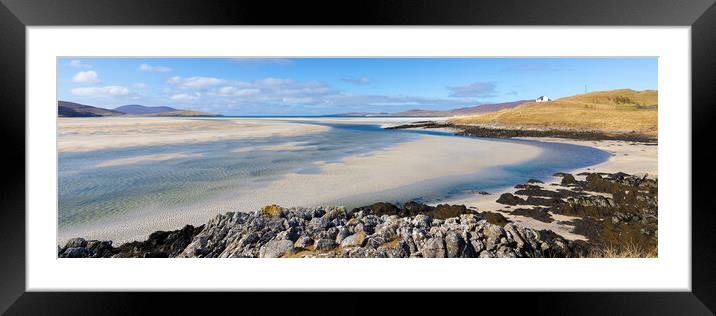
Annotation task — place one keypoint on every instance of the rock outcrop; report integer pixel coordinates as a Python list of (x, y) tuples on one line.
[(335, 232), (611, 208), (160, 244), (495, 131)]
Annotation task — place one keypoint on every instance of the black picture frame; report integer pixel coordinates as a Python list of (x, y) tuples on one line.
[(16, 15)]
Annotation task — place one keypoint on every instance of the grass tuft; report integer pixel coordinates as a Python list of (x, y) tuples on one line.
[(271, 210), (628, 249)]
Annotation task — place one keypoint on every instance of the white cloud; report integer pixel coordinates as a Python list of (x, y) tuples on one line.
[(279, 94), (195, 82), (183, 97), (89, 76), (79, 64), (297, 101), (148, 67), (140, 85), (229, 91), (274, 81), (107, 91)]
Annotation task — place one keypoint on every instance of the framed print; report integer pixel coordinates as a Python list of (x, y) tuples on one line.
[(390, 148)]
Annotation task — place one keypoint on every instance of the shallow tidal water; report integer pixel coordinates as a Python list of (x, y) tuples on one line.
[(90, 192)]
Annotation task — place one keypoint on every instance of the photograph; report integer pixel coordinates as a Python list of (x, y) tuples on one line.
[(346, 157), (181, 157)]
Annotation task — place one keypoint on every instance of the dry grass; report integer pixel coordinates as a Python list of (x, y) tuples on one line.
[(393, 243), (618, 111), (311, 252), (626, 250)]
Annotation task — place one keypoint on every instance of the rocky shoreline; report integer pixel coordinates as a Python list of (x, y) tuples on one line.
[(610, 209), (331, 232), (500, 132)]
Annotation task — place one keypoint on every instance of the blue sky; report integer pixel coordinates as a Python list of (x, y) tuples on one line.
[(318, 86)]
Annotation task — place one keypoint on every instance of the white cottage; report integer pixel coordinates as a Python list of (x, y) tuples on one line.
[(542, 99)]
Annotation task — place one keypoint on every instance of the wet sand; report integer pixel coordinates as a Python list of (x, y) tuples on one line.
[(143, 158)]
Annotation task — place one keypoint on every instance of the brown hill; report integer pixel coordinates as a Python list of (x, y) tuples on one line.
[(618, 111), (71, 109)]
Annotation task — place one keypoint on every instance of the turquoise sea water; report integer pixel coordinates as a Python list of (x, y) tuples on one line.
[(89, 193)]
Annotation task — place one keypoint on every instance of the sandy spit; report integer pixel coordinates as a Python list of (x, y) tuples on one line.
[(89, 134)]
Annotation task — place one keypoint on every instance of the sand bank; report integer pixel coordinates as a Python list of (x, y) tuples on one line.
[(428, 158), (89, 134), (138, 159)]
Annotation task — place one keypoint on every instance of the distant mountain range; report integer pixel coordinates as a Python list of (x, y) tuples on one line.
[(141, 109), (483, 108), (71, 109)]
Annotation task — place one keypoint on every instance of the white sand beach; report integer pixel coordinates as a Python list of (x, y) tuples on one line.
[(89, 134)]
